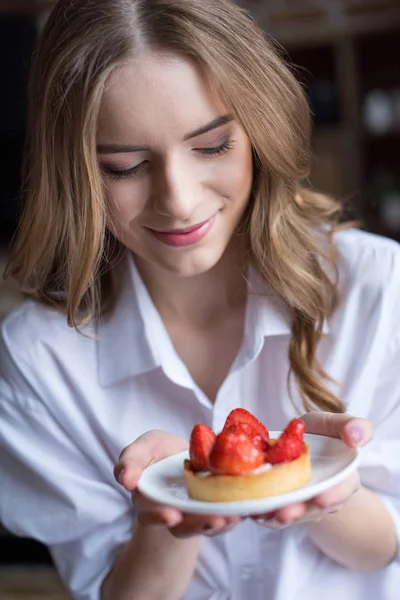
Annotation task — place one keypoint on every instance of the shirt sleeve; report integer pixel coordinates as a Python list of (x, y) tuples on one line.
[(51, 492), (380, 459)]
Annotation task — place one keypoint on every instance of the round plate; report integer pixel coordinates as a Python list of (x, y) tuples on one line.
[(331, 462)]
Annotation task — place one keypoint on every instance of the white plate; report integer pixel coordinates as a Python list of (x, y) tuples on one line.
[(331, 460)]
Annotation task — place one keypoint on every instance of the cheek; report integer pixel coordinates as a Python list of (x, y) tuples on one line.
[(125, 202), (240, 178)]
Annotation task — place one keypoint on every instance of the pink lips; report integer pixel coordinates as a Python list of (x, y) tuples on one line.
[(179, 238)]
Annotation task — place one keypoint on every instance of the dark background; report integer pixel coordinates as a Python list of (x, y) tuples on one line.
[(346, 52)]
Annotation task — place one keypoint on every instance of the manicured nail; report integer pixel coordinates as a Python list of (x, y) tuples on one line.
[(356, 434), (120, 476)]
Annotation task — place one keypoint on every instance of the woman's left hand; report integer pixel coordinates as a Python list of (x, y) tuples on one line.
[(354, 433)]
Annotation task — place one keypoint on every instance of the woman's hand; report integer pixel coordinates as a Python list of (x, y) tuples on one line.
[(149, 448), (354, 433)]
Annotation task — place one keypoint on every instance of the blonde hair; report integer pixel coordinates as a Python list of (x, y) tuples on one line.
[(63, 253)]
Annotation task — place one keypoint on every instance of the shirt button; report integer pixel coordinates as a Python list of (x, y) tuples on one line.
[(245, 573)]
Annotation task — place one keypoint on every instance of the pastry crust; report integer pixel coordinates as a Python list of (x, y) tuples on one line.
[(280, 479)]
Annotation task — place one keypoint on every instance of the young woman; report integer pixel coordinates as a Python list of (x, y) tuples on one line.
[(179, 267)]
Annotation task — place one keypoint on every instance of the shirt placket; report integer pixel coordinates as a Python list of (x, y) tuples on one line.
[(243, 549)]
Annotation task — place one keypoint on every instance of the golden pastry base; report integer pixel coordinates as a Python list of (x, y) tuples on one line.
[(281, 479)]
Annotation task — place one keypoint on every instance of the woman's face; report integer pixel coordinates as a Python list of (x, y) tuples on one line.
[(177, 168)]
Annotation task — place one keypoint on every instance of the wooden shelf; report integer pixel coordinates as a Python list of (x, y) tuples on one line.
[(350, 161), (301, 22), (31, 584)]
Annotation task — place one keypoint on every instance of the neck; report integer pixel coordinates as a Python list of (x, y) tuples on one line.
[(201, 300)]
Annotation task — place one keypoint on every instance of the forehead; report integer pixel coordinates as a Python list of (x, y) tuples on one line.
[(156, 96)]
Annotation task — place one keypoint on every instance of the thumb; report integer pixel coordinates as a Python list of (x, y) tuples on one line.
[(353, 431), (149, 448)]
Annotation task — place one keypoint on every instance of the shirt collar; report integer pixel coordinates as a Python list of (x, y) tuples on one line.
[(126, 346)]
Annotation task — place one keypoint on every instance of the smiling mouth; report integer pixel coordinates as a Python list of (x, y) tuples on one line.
[(182, 230), (185, 236)]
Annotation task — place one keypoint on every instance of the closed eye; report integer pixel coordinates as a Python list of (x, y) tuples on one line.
[(217, 150), (143, 167), (116, 174)]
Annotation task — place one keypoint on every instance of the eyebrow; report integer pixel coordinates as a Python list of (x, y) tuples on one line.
[(119, 149), (218, 122), (126, 149)]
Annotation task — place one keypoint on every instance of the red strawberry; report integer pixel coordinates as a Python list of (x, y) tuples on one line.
[(259, 441), (290, 444), (285, 449), (234, 454), (241, 415), (296, 427), (201, 441)]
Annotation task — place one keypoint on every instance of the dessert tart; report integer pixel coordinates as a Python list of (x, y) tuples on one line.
[(243, 463)]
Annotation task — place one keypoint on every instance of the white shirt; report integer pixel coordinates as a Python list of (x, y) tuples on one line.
[(69, 404)]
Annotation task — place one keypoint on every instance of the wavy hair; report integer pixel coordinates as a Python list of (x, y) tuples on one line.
[(63, 253)]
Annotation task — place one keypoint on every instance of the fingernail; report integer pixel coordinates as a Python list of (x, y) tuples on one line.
[(262, 520), (209, 530), (356, 434), (272, 523), (120, 476), (315, 519)]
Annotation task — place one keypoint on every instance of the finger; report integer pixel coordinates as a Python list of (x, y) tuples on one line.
[(167, 517), (357, 432), (340, 493), (263, 516), (271, 523), (353, 431), (314, 513), (282, 516), (229, 524), (328, 502), (149, 448), (291, 513), (298, 515), (193, 525), (214, 532), (151, 513)]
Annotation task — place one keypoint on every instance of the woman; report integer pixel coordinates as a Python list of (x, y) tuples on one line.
[(167, 221)]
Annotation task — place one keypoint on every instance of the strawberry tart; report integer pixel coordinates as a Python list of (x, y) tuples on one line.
[(243, 463)]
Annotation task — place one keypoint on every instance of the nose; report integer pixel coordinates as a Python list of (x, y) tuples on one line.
[(175, 193)]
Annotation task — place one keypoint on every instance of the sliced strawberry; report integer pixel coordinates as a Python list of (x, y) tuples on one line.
[(285, 449), (259, 441), (234, 454), (201, 441), (241, 415)]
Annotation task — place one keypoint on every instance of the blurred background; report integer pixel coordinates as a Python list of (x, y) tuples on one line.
[(346, 53)]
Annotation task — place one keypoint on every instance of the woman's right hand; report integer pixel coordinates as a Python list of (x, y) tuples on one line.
[(148, 449)]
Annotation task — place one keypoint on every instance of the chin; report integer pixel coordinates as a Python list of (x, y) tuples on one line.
[(193, 264)]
